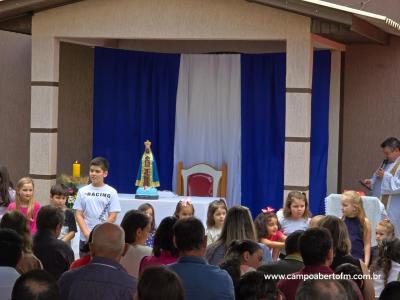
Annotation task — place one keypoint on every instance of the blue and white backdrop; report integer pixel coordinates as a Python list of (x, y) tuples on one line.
[(211, 108)]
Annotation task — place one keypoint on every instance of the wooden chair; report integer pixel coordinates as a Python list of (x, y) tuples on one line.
[(201, 180)]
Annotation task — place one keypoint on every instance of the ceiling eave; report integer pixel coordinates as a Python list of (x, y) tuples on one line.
[(340, 23)]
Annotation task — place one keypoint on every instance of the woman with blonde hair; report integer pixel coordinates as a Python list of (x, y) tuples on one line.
[(238, 226), (341, 245), (340, 241)]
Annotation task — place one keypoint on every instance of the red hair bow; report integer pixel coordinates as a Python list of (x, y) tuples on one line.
[(268, 210)]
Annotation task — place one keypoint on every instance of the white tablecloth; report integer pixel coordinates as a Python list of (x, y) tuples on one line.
[(164, 206)]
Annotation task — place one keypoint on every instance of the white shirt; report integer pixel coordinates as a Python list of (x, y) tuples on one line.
[(289, 225), (8, 276), (394, 275), (96, 203), (212, 234), (133, 257)]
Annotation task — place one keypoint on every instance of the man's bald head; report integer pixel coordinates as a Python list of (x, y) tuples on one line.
[(108, 241)]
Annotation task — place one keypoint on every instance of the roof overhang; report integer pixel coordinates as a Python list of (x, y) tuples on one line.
[(16, 15), (340, 23)]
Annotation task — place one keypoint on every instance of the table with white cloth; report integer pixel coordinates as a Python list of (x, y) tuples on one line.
[(165, 205)]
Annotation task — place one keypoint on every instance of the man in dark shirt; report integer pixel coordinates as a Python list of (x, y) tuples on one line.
[(200, 280), (103, 278), (316, 250), (55, 255)]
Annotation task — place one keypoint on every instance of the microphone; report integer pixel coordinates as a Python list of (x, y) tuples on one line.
[(384, 163)]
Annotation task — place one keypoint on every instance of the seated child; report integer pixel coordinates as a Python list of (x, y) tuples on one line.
[(387, 266), (184, 209), (268, 233), (148, 210), (295, 214), (215, 220), (58, 197), (384, 231)]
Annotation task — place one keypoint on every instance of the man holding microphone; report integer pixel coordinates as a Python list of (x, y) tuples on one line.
[(385, 183)]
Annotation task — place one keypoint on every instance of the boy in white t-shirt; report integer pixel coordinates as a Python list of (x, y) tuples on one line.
[(97, 202)]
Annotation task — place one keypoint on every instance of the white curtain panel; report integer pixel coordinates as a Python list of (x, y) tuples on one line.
[(208, 119)]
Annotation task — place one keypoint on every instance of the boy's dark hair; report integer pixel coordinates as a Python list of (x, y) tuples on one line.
[(49, 217), (59, 190), (292, 242), (100, 162), (352, 270), (132, 221), (189, 234), (254, 285), (321, 289), (314, 245), (163, 239), (35, 285), (160, 283), (391, 291), (11, 245)]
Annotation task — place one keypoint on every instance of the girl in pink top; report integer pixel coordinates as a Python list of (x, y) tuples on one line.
[(268, 233), (25, 202)]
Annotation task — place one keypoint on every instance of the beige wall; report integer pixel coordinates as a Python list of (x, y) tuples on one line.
[(173, 19), (371, 107), (219, 20), (75, 107), (15, 102)]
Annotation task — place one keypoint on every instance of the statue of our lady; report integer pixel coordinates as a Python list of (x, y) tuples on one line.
[(147, 177)]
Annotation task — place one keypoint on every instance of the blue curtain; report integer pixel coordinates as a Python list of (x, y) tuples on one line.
[(134, 100), (263, 79), (319, 130)]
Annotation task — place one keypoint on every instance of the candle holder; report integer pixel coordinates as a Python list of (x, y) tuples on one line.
[(73, 184)]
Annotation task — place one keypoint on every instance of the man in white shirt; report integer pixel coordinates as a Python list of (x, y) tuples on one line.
[(10, 253), (385, 182)]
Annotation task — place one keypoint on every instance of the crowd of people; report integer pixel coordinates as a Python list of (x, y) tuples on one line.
[(284, 254)]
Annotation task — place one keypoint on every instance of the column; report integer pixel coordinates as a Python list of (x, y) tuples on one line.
[(299, 59), (44, 115), (334, 124)]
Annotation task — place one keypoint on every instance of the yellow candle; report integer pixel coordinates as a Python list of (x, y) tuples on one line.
[(76, 169)]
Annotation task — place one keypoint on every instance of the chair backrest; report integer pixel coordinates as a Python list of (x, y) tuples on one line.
[(371, 206), (201, 180)]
